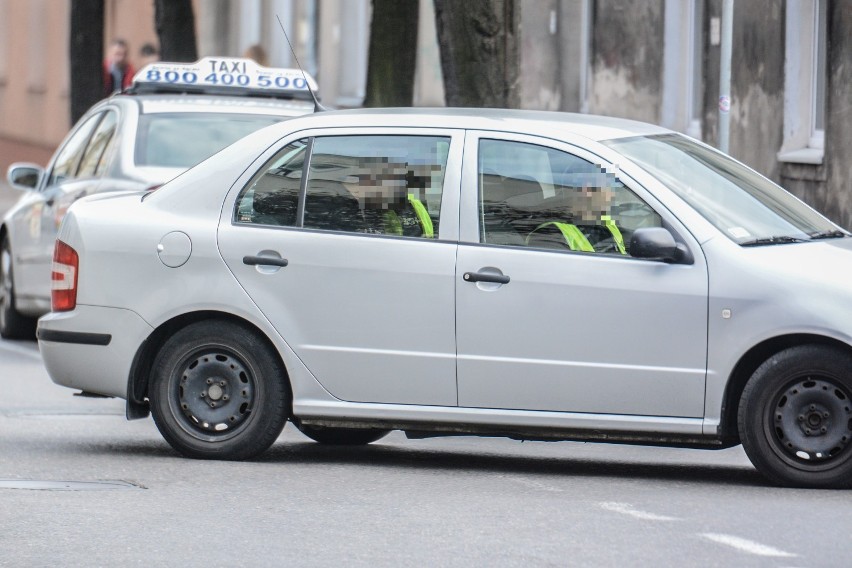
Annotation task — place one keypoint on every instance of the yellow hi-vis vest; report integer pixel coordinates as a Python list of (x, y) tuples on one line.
[(393, 226), (576, 240)]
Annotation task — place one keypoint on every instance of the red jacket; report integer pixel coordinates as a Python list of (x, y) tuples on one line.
[(126, 79)]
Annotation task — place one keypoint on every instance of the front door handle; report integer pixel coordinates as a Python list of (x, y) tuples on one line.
[(264, 261), (486, 277)]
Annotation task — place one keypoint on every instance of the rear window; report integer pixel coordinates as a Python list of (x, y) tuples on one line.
[(181, 140)]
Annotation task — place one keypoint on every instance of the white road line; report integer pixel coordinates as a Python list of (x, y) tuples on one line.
[(745, 545), (11, 347), (626, 509), (536, 485)]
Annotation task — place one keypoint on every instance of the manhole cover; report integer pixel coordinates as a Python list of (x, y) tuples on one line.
[(51, 485)]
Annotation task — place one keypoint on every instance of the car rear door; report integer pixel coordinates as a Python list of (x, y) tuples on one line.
[(346, 269), (554, 329)]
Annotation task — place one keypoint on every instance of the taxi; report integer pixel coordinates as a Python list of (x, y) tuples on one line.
[(173, 116), (541, 276)]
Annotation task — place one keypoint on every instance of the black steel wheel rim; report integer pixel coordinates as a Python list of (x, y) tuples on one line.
[(213, 393), (809, 423)]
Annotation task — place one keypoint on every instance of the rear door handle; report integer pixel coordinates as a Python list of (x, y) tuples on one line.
[(264, 261), (486, 277)]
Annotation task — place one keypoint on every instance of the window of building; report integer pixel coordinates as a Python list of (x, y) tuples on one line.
[(805, 82)]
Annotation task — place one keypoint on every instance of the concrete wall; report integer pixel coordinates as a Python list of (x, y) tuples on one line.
[(627, 51)]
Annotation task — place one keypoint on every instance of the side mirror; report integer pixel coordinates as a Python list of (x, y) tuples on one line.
[(656, 243), (24, 176)]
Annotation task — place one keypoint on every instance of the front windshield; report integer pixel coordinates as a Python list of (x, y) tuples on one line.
[(182, 140), (741, 203)]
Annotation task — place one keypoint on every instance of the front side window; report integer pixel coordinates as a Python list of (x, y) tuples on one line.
[(182, 140), (745, 206), (534, 196), (94, 158), (65, 166), (386, 185)]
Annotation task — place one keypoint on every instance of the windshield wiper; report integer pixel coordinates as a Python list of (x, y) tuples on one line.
[(830, 234), (777, 240)]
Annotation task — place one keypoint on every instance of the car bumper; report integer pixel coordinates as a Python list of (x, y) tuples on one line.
[(91, 348)]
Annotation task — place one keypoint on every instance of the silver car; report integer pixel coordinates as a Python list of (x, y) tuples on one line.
[(131, 141), (533, 275)]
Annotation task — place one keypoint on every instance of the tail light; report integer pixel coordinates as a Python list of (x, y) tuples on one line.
[(63, 278)]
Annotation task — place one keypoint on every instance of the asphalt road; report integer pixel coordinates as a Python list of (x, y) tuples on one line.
[(80, 486)]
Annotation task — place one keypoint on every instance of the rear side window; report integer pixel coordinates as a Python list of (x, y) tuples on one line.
[(384, 185), (272, 197)]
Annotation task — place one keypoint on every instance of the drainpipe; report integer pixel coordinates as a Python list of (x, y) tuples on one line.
[(725, 75)]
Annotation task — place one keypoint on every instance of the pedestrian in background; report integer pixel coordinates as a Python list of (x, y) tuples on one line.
[(256, 53), (148, 54), (118, 73)]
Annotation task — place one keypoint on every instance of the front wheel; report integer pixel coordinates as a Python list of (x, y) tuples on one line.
[(218, 391), (13, 325), (342, 436), (795, 417)]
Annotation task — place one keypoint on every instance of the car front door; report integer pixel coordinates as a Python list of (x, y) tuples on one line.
[(36, 226), (553, 313), (352, 259)]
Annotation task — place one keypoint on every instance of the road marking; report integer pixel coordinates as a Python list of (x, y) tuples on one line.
[(747, 545), (537, 485), (11, 347), (627, 509)]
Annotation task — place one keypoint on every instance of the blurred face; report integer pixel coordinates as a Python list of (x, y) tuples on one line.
[(118, 55), (380, 186), (592, 201)]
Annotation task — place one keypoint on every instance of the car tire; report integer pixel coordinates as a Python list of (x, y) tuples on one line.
[(795, 417), (219, 391), (342, 436), (13, 324)]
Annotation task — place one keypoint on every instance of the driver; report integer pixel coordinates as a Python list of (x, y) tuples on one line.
[(590, 227)]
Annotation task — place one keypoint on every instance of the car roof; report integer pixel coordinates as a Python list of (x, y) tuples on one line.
[(189, 103), (542, 123)]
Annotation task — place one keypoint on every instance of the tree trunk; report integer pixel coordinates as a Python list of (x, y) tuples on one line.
[(393, 53), (479, 51), (86, 55), (175, 23)]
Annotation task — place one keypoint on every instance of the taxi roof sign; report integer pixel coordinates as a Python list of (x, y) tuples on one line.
[(223, 76)]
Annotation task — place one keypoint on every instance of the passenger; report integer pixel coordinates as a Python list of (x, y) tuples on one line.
[(381, 188)]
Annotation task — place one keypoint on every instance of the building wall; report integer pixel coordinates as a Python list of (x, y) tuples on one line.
[(627, 58), (757, 84)]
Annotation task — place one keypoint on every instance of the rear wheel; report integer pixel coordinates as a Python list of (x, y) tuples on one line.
[(13, 325), (218, 392), (342, 436), (795, 417)]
